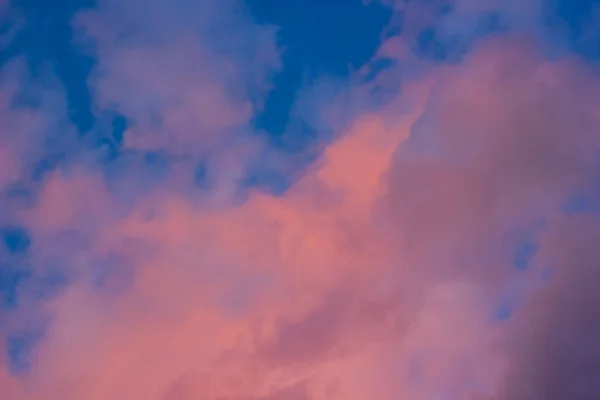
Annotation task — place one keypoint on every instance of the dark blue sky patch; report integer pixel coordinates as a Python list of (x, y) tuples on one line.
[(318, 38), (524, 243), (575, 22), (10, 279), (579, 203), (436, 45), (584, 201), (46, 165), (15, 239), (107, 136), (510, 300), (269, 180), (503, 311), (119, 126), (18, 195), (158, 160), (524, 253), (47, 37), (19, 347), (18, 281), (429, 45), (201, 176), (301, 134)]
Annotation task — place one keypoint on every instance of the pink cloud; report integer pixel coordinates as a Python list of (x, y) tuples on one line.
[(376, 275)]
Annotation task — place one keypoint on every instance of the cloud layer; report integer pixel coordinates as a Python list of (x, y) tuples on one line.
[(441, 246)]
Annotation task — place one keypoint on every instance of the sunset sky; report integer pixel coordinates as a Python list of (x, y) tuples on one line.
[(299, 200)]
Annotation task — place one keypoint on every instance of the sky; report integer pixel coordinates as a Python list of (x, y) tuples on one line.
[(299, 200)]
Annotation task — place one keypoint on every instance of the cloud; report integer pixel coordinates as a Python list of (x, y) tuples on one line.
[(558, 356), (184, 74), (377, 274), (498, 152)]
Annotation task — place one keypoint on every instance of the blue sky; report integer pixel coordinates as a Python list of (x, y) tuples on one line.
[(312, 47), (318, 38)]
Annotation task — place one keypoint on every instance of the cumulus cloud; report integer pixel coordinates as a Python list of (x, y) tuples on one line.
[(387, 270)]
